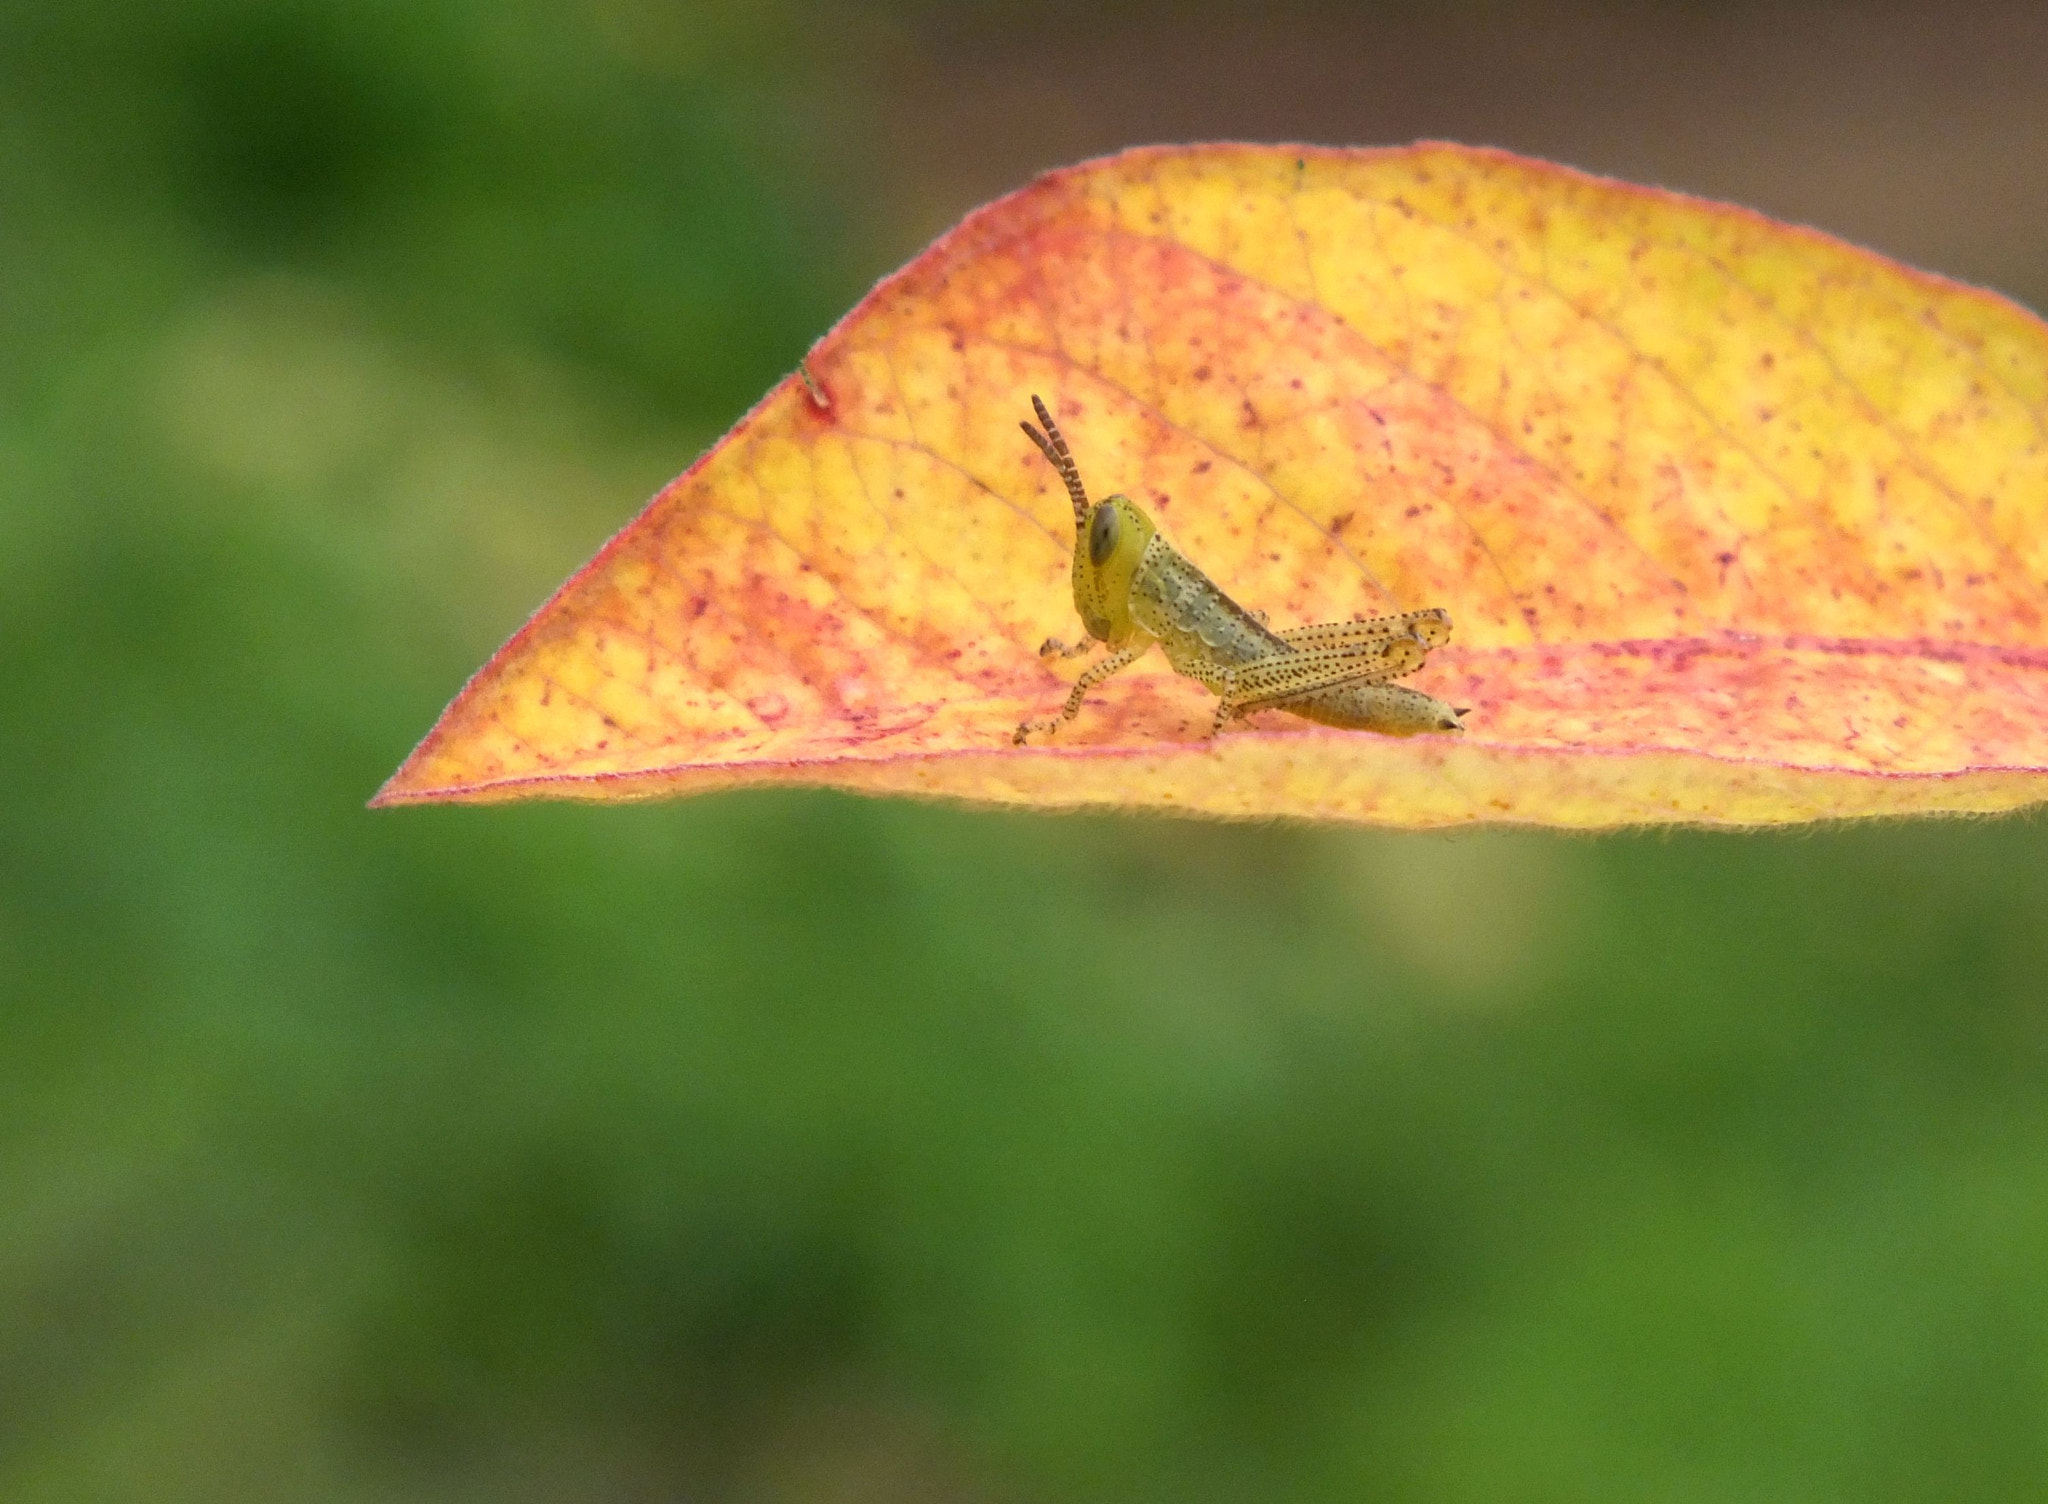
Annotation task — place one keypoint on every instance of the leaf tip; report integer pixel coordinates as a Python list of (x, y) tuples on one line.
[(399, 788)]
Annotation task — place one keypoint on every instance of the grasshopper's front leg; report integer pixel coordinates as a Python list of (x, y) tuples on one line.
[(1094, 675)]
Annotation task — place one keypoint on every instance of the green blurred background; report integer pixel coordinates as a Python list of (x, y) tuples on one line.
[(790, 1147)]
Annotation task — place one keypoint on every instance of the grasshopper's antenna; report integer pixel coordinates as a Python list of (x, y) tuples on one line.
[(1057, 455)]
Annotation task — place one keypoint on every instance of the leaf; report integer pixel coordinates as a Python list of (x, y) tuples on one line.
[(1736, 522)]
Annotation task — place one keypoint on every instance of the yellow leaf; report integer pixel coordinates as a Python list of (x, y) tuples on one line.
[(1736, 522)]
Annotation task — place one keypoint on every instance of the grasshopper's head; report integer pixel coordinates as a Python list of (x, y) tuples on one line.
[(1106, 554), (1109, 538)]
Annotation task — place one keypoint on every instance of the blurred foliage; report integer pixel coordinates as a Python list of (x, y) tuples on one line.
[(801, 1148)]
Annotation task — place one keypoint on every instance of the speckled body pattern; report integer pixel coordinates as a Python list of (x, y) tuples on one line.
[(1200, 629), (1203, 632), (1132, 588)]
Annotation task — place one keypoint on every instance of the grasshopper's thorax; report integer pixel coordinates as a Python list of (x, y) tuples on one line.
[(1203, 632), (1107, 551)]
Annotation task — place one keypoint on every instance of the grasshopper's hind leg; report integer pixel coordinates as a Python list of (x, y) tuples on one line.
[(1092, 676), (1275, 681), (1431, 628)]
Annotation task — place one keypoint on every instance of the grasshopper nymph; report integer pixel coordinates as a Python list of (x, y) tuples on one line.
[(1133, 589)]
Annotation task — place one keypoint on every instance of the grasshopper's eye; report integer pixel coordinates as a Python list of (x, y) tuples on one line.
[(1102, 534)]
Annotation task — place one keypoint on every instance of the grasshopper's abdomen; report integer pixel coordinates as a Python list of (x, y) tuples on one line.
[(1390, 709)]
